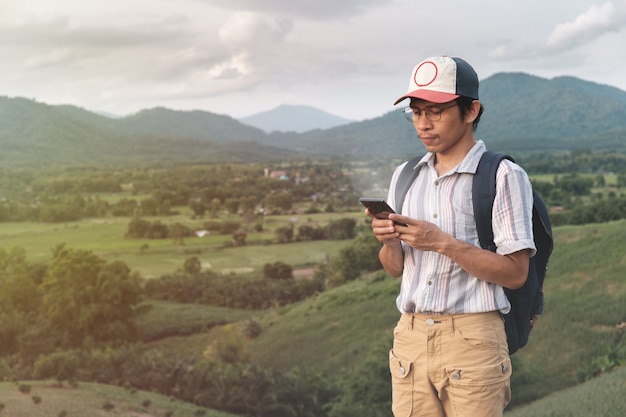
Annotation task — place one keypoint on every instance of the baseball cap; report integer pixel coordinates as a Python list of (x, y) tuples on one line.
[(442, 79)]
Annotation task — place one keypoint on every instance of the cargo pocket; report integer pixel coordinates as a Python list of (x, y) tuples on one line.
[(401, 385), (481, 375), (486, 386)]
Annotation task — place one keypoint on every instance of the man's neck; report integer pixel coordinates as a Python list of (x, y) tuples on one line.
[(447, 160)]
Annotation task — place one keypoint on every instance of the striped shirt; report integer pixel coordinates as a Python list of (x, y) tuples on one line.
[(432, 282)]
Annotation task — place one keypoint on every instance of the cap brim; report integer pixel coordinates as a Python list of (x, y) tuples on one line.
[(428, 95)]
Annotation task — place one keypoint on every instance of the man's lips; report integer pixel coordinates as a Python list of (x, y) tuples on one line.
[(428, 139)]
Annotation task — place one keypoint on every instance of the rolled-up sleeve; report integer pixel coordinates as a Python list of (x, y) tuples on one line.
[(513, 210)]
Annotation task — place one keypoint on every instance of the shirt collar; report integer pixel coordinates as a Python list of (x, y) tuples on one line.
[(468, 165)]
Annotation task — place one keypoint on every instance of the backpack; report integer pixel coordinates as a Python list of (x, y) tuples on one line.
[(527, 301)]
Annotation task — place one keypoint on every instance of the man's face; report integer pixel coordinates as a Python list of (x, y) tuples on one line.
[(440, 126)]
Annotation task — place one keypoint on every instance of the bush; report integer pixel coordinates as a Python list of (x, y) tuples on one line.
[(233, 291), (252, 329), (59, 365), (278, 270), (224, 228)]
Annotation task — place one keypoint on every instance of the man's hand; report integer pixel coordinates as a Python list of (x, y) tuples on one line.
[(419, 234), (391, 255), (384, 230)]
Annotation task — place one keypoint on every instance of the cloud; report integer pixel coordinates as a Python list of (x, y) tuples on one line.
[(566, 39), (259, 50), (260, 30), (318, 9), (594, 23), (244, 56), (43, 32)]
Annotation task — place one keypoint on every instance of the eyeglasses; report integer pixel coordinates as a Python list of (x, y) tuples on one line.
[(433, 113)]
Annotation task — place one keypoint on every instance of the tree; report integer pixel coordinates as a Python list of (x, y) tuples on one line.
[(232, 205), (192, 266), (279, 202), (346, 266), (600, 180), (228, 344), (87, 299), (278, 270), (367, 248), (215, 206), (158, 230), (342, 229), (239, 236), (61, 366), (149, 206), (138, 228), (197, 206), (284, 234), (18, 289), (178, 232), (575, 184)]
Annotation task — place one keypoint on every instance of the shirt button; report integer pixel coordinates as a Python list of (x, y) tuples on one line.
[(436, 183), (435, 215), (430, 283)]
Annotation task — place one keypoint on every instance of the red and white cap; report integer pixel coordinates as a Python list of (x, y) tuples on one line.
[(442, 79)]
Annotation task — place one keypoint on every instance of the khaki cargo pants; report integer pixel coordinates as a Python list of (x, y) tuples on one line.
[(450, 366)]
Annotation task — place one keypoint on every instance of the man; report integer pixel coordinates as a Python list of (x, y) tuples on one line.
[(450, 355)]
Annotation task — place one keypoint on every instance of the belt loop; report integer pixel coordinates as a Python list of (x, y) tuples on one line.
[(412, 321)]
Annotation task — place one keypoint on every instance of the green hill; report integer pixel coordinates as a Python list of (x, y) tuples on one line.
[(34, 134), (523, 113), (46, 399), (601, 397), (585, 295)]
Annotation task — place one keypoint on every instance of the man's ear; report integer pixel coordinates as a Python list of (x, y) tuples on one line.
[(473, 112)]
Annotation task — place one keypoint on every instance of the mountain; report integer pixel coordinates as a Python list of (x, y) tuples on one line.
[(563, 109), (34, 134), (194, 124), (523, 114), (288, 118)]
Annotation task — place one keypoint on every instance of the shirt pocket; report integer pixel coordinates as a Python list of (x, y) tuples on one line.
[(463, 213)]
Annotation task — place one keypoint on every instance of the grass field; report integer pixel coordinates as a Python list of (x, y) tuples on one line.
[(92, 400), (601, 397), (106, 238), (609, 179), (161, 318)]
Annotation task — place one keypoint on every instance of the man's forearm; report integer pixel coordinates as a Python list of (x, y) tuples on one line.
[(391, 257), (509, 271)]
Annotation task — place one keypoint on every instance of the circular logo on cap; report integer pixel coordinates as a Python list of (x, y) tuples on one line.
[(425, 74)]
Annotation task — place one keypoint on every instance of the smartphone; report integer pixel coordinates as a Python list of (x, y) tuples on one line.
[(378, 207)]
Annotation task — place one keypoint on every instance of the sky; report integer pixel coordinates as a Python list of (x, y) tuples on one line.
[(351, 58)]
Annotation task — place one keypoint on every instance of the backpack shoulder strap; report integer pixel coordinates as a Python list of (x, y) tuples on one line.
[(484, 194), (406, 178)]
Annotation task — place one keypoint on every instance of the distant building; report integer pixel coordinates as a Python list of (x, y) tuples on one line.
[(281, 175)]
